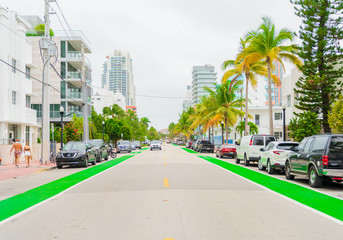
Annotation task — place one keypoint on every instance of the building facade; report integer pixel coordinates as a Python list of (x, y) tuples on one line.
[(118, 75), (276, 88), (187, 103), (17, 119), (203, 76), (104, 98)]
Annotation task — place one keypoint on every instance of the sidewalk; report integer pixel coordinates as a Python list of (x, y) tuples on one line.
[(11, 171)]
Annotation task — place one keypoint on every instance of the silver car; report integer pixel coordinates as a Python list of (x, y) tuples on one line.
[(155, 145)]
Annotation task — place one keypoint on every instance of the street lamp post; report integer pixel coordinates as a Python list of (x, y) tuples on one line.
[(103, 130), (61, 112), (222, 132), (284, 122)]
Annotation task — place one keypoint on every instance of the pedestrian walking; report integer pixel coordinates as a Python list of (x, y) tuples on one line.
[(27, 154), (18, 149)]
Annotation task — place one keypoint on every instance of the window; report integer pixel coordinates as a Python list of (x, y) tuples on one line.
[(14, 65), (270, 146), (302, 144), (38, 108), (258, 141), (27, 72), (27, 134), (336, 145), (14, 97), (277, 116), (28, 101), (319, 144), (63, 49), (278, 135), (270, 139), (289, 103), (308, 145), (257, 119)]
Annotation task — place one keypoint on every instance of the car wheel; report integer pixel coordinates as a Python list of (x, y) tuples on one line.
[(246, 162), (85, 164), (260, 165), (237, 160), (221, 156), (106, 158), (99, 157), (288, 174), (270, 170), (150, 149), (314, 179), (94, 161), (59, 166)]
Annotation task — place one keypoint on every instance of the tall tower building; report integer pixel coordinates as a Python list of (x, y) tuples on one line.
[(276, 89), (117, 75), (187, 103), (203, 76)]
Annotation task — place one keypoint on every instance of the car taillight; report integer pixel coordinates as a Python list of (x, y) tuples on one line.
[(325, 160), (250, 142), (277, 152)]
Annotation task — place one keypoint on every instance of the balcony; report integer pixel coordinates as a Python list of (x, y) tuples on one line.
[(74, 97), (75, 59)]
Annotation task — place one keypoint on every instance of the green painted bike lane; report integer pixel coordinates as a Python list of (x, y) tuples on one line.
[(321, 202), (20, 202)]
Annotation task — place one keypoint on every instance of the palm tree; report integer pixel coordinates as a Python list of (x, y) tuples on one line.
[(145, 121), (240, 128), (221, 105), (251, 70), (267, 45)]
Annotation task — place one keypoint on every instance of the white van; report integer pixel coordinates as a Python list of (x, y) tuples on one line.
[(249, 147)]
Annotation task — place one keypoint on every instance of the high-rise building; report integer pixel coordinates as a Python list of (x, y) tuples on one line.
[(187, 103), (276, 89), (118, 76), (17, 119), (203, 76)]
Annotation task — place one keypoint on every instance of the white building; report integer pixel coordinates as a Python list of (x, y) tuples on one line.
[(17, 119), (203, 76), (104, 98), (118, 75), (187, 103)]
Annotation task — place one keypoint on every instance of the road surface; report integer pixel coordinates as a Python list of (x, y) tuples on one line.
[(165, 195)]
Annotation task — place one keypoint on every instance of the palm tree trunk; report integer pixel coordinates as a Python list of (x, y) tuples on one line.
[(213, 135), (270, 104), (246, 104), (226, 131)]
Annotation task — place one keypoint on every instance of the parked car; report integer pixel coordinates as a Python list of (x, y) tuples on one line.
[(155, 145), (319, 157), (189, 143), (248, 149), (124, 146), (101, 149), (133, 146), (179, 142), (204, 145), (76, 153), (226, 150), (138, 144), (193, 145), (274, 155)]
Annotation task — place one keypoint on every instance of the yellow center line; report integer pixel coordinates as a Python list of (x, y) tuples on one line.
[(166, 183), (165, 164), (169, 239)]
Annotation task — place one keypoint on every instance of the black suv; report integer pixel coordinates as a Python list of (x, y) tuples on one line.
[(204, 145), (319, 157), (101, 149)]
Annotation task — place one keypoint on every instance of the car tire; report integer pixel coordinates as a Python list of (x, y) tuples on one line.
[(246, 162), (260, 166), (59, 166), (314, 179), (270, 170), (221, 156), (237, 160), (106, 158), (85, 163), (99, 158), (288, 174), (94, 161)]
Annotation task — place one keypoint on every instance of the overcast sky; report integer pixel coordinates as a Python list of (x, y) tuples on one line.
[(165, 38)]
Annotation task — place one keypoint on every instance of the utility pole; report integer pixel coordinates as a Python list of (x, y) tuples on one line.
[(85, 136), (45, 46)]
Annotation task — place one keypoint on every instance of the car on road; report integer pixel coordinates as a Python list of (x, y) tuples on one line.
[(248, 149), (76, 154), (319, 157), (138, 144), (124, 146), (193, 145), (204, 146), (101, 149), (133, 146), (274, 155), (189, 143), (155, 145), (226, 150)]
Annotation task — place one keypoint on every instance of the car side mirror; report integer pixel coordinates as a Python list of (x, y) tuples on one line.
[(237, 143), (262, 149)]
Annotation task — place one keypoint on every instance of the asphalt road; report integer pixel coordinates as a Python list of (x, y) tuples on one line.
[(169, 194)]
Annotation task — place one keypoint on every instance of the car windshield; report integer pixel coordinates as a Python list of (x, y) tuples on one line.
[(75, 146), (155, 142), (95, 143), (123, 142), (287, 146)]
